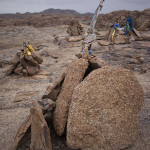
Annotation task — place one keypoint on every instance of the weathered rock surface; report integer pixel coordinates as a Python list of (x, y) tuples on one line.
[(103, 110), (11, 69), (74, 75)]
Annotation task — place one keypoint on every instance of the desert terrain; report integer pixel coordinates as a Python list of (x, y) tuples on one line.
[(47, 33)]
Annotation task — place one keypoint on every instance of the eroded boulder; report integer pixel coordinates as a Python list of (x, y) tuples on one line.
[(103, 110)]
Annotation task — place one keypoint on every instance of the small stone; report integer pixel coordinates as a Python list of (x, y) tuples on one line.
[(11, 69), (46, 105), (15, 59), (25, 72), (19, 69)]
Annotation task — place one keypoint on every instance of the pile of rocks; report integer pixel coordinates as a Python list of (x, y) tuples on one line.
[(96, 104), (75, 29), (120, 38), (106, 37), (25, 65)]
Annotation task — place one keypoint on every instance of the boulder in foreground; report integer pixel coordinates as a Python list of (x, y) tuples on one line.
[(103, 110)]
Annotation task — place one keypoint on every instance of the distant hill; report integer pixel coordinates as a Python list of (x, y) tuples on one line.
[(59, 11), (52, 17), (50, 11)]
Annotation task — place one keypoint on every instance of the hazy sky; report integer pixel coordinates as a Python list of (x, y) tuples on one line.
[(82, 6)]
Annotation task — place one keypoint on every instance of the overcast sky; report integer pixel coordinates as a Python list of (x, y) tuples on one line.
[(82, 6)]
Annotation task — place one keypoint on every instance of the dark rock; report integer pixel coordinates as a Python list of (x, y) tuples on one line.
[(11, 69), (18, 70)]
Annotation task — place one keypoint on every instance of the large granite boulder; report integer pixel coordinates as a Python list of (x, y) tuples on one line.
[(74, 75), (103, 110)]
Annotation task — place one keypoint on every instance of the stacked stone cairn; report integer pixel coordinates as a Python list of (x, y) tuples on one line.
[(25, 65), (95, 105)]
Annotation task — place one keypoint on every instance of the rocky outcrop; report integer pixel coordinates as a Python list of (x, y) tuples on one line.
[(140, 19), (74, 75), (103, 110)]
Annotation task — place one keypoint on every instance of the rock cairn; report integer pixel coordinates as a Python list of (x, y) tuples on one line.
[(75, 29), (94, 104), (25, 65)]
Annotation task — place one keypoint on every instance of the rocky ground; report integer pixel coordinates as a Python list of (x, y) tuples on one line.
[(17, 92)]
